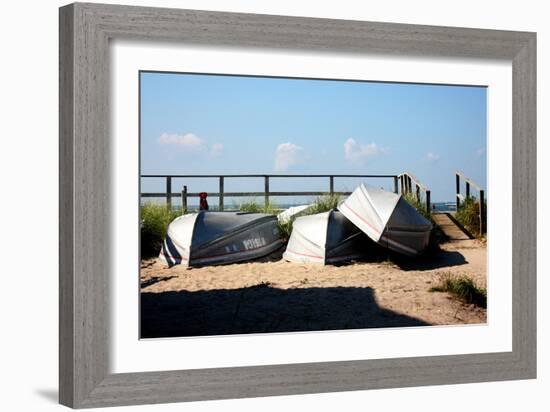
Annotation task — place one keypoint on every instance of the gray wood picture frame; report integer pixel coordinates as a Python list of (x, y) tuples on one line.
[(85, 32)]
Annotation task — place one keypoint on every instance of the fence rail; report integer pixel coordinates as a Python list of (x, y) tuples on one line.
[(469, 184), (404, 181), (266, 193), (407, 180)]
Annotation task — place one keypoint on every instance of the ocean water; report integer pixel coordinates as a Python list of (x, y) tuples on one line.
[(444, 207)]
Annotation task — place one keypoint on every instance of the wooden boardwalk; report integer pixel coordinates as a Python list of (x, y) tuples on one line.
[(449, 227)]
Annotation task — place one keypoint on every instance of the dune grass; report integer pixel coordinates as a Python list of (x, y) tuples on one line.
[(323, 204), (154, 222), (462, 288), (285, 229), (251, 206), (468, 215), (319, 205)]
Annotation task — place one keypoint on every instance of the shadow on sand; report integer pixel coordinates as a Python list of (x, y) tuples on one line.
[(155, 279), (434, 260), (262, 309)]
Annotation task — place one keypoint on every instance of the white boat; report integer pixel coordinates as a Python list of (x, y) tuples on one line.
[(292, 212), (325, 238), (387, 218), (215, 238)]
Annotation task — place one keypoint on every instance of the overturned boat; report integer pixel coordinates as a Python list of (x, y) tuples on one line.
[(325, 238), (292, 213), (387, 218), (215, 238)]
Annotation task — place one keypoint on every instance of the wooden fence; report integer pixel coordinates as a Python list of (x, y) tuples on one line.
[(406, 179), (469, 184)]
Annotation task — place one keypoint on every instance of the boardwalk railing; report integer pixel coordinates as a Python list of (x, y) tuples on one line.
[(469, 184), (266, 193), (409, 183)]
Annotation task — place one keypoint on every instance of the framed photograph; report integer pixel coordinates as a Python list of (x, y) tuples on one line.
[(258, 205)]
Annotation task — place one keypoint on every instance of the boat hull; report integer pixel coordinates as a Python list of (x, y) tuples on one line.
[(388, 219), (326, 238), (219, 238)]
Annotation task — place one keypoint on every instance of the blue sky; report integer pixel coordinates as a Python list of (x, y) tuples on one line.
[(203, 124)]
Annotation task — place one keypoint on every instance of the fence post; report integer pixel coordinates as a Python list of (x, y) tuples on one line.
[(457, 191), (395, 187), (402, 185), (428, 202), (331, 184), (266, 190), (467, 189), (220, 207), (184, 200), (417, 193), (169, 192), (481, 211)]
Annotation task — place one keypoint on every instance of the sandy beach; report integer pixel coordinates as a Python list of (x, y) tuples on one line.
[(282, 296)]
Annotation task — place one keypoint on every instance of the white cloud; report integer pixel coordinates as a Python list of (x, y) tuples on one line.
[(287, 155), (187, 141), (433, 157), (216, 149), (190, 143), (357, 152)]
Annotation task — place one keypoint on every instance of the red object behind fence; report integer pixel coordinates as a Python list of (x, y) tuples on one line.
[(203, 202)]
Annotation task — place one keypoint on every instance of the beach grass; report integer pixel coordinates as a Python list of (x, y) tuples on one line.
[(154, 222), (468, 215), (285, 229), (319, 205), (251, 206), (323, 204), (463, 288)]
